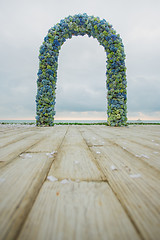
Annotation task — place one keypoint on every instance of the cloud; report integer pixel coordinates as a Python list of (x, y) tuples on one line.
[(81, 115), (81, 74), (144, 94)]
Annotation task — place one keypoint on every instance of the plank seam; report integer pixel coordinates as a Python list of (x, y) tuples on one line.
[(6, 163), (93, 158), (116, 195), (33, 201)]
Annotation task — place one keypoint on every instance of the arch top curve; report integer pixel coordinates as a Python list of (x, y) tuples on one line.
[(82, 24)]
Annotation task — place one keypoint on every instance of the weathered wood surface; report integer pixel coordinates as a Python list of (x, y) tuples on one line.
[(80, 182)]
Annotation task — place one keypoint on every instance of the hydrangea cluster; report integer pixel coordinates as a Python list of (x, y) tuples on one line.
[(82, 24)]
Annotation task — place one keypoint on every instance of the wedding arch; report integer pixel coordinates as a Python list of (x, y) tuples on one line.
[(116, 83)]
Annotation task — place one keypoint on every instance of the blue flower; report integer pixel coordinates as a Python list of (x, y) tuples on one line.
[(49, 71), (39, 72), (56, 43), (42, 49), (81, 24)]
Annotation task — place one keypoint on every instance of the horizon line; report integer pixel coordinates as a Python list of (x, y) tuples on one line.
[(77, 119)]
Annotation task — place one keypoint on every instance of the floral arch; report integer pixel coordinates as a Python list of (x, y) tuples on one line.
[(116, 83)]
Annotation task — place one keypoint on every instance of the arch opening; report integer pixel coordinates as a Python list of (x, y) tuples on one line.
[(81, 87), (82, 24)]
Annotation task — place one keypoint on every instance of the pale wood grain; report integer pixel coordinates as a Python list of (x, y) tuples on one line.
[(20, 182), (74, 160), (13, 150), (15, 136), (6, 130), (139, 196), (102, 201), (142, 146), (16, 147), (52, 138), (20, 185), (76, 211)]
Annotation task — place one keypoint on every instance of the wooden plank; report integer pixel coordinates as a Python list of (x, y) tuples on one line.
[(121, 155), (15, 148), (148, 152), (20, 182), (131, 180), (143, 148), (74, 161), (6, 133), (15, 136), (76, 211), (6, 130), (150, 138), (130, 132), (91, 208), (52, 138)]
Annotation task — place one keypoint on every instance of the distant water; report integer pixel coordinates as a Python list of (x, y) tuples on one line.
[(75, 121), (18, 121)]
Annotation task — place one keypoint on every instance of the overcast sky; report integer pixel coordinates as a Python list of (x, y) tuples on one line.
[(81, 89)]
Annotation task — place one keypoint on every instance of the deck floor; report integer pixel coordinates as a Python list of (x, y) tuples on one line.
[(79, 183)]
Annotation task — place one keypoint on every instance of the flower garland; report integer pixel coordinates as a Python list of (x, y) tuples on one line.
[(116, 83)]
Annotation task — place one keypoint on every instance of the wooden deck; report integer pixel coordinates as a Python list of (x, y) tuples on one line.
[(80, 183)]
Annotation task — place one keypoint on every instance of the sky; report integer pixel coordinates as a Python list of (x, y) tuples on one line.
[(81, 84)]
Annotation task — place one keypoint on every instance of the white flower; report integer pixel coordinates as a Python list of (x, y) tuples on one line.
[(52, 178), (135, 175), (64, 181), (76, 162), (113, 167), (26, 155)]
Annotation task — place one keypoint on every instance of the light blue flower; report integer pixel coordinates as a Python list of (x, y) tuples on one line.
[(81, 24)]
